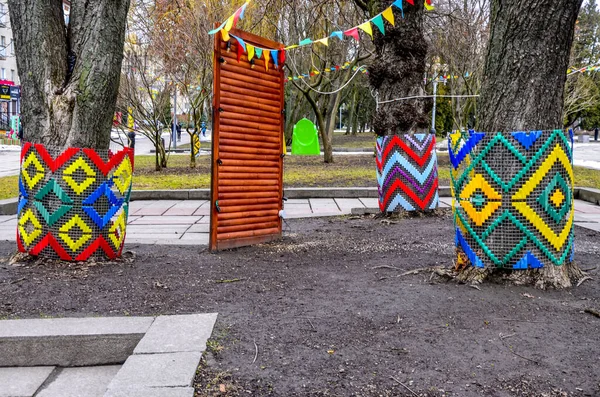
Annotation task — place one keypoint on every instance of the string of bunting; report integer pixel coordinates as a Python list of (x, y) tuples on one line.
[(585, 69), (377, 20), (353, 32), (336, 68)]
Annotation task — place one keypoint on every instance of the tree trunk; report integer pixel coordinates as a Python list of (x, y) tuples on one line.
[(355, 118), (526, 64), (69, 76), (522, 90), (397, 71)]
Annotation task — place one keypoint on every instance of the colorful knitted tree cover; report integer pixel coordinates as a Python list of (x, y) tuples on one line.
[(73, 203), (407, 176), (513, 198)]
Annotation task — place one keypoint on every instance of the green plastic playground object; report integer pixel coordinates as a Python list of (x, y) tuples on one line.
[(305, 141)]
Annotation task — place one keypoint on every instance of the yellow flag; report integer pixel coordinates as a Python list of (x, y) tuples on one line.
[(225, 35), (367, 28), (229, 24), (324, 41), (291, 46), (428, 7), (388, 14), (267, 56), (250, 51)]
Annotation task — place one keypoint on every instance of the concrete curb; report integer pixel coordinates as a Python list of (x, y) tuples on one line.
[(9, 206)]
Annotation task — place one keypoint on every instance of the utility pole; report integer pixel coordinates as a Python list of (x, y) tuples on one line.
[(174, 125)]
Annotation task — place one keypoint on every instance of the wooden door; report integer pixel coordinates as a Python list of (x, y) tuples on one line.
[(247, 160)]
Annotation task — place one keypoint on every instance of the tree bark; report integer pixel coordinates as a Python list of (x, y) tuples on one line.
[(526, 64), (398, 70), (522, 90), (69, 76)]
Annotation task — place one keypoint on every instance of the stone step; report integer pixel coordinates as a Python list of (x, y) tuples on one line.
[(69, 342)]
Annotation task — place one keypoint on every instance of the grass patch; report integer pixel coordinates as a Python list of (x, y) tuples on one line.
[(9, 187)]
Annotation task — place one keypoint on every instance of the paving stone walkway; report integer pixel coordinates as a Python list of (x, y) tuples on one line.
[(186, 222), (154, 356)]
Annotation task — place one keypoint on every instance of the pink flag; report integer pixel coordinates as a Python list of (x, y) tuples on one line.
[(353, 33)]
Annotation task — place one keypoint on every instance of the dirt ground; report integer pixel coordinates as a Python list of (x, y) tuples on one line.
[(313, 315)]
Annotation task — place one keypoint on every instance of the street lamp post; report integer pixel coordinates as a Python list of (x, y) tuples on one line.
[(435, 83), (174, 124)]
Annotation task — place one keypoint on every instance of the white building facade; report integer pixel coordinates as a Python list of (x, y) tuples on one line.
[(10, 93)]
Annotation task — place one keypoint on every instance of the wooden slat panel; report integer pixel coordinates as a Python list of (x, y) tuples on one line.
[(247, 166)]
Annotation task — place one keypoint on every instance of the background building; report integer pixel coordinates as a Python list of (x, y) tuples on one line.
[(10, 92)]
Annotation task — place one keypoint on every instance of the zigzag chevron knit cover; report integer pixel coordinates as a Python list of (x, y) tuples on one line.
[(407, 176), (513, 198), (73, 204)]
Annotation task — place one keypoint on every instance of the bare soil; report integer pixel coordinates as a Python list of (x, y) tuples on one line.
[(319, 313)]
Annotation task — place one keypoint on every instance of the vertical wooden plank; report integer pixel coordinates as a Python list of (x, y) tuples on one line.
[(214, 172)]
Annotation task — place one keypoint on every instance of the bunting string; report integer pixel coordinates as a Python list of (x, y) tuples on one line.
[(377, 20), (336, 68), (585, 69)]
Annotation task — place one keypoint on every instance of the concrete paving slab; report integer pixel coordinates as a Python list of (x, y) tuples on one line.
[(177, 333), (348, 204), (197, 238), (199, 228), (296, 201), (154, 237), (166, 220), (204, 210), (6, 218), (157, 370), (324, 203), (183, 241), (163, 229), (590, 226), (370, 202), (186, 207), (22, 381), (70, 341), (151, 392), (83, 381)]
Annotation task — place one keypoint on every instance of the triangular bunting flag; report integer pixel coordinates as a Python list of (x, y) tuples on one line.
[(243, 10), (411, 2), (338, 33), (324, 41), (281, 57), (258, 52), (267, 56), (225, 35), (250, 52), (240, 42), (398, 3), (292, 46), (378, 21), (217, 29), (240, 50), (229, 24), (236, 16), (353, 33), (428, 5), (305, 42), (388, 14), (274, 57), (366, 27)]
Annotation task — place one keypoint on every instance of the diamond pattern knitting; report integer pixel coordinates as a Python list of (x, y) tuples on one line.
[(513, 197), (73, 203)]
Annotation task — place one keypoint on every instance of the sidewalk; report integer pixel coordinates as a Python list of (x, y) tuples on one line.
[(187, 222)]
